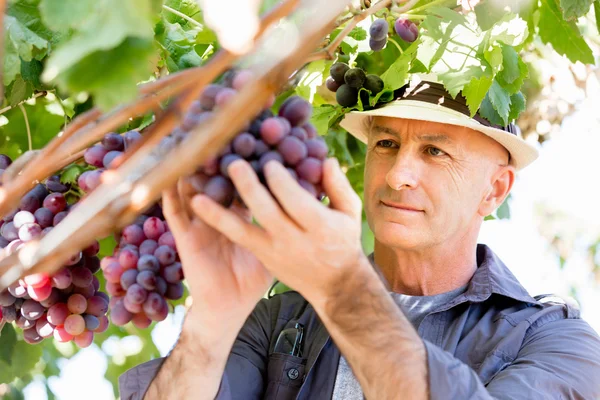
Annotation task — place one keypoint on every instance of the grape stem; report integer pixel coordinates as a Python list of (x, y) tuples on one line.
[(328, 53), (182, 15), (8, 108), (24, 112)]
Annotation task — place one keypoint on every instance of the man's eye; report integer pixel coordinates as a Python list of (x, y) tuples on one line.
[(434, 151), (385, 143)]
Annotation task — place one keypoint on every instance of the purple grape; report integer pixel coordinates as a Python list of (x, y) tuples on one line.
[(131, 138), (119, 314), (128, 278), (174, 291), (136, 294), (54, 184), (298, 111), (310, 130), (5, 161), (82, 181), (91, 322), (260, 148), (156, 307), (57, 314), (254, 128), (406, 29), (55, 297), (62, 279), (377, 45), (148, 246), (224, 96), (86, 291), (43, 217), (165, 255), (244, 144), (153, 228), (55, 202), (133, 234), (23, 217), (173, 273), (24, 323), (31, 336), (161, 286), (81, 277), (219, 189), (168, 240), (9, 314), (108, 159), (317, 148), (29, 232), (207, 98), (226, 162), (269, 156), (97, 306), (128, 258), (32, 310), (59, 217), (113, 141), (146, 279), (94, 155), (292, 149), (379, 29), (39, 191), (331, 84), (92, 180), (310, 169), (9, 217), (92, 263), (148, 263), (30, 202), (102, 295), (7, 299), (272, 131), (44, 328)]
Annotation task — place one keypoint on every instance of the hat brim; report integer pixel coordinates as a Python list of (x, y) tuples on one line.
[(522, 153)]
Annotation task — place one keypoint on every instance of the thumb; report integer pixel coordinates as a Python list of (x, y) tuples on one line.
[(339, 190)]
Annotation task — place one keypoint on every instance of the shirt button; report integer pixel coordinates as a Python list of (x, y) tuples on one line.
[(293, 374)]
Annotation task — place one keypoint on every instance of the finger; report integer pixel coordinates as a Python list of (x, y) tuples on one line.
[(297, 202), (229, 224), (174, 212), (258, 199), (341, 195)]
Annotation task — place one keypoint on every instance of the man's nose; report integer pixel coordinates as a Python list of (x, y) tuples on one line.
[(404, 172)]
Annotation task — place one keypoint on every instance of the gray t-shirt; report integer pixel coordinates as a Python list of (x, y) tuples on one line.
[(415, 309)]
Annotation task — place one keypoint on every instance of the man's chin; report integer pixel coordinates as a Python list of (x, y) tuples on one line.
[(397, 235)]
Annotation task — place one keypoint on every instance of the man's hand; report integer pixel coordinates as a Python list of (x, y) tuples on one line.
[(305, 244), (226, 281)]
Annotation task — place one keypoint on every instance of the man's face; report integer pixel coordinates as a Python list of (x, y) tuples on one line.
[(425, 181)]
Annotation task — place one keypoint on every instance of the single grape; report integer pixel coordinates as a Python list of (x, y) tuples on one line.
[(173, 273), (272, 130), (207, 98), (53, 184), (43, 217), (133, 234), (219, 189), (346, 96), (9, 231), (29, 232), (24, 323), (113, 272), (61, 335), (131, 306), (379, 29), (156, 307), (95, 284), (165, 255), (96, 305), (77, 303), (7, 299), (111, 159), (374, 84), (292, 149), (37, 280), (153, 228), (260, 148), (30, 202), (161, 286), (310, 169), (94, 155), (40, 191), (92, 249), (9, 314), (317, 148), (86, 291), (128, 278), (81, 276), (54, 298), (224, 96), (58, 313), (44, 328), (244, 144), (406, 29), (128, 258), (331, 84), (377, 45), (355, 77), (41, 293), (102, 295), (74, 325), (141, 321), (103, 324), (31, 335), (131, 138), (5, 161), (55, 202), (32, 310), (299, 133), (168, 240), (146, 279), (59, 217), (113, 141), (241, 79), (148, 263), (119, 314), (84, 339), (298, 111), (91, 322), (17, 290), (136, 294), (92, 180), (174, 291), (82, 181), (23, 217), (148, 246), (337, 72), (62, 279)]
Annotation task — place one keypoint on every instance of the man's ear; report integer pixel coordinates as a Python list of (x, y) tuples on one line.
[(501, 183)]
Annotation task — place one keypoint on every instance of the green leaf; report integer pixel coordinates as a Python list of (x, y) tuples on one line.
[(71, 173), (517, 106), (20, 366), (564, 36), (516, 85), (455, 80), (26, 42), (475, 92), (62, 15), (510, 30), (19, 91), (179, 45), (187, 7), (8, 340), (358, 33), (31, 71), (396, 75), (573, 9), (111, 75), (487, 111), (322, 116), (490, 12), (500, 100), (510, 61), (111, 23), (494, 57)]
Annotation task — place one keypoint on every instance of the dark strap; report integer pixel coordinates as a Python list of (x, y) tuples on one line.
[(435, 93)]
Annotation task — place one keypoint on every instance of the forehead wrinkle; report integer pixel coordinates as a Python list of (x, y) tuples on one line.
[(427, 137)]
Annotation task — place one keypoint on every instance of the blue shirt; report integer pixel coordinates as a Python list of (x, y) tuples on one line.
[(494, 341)]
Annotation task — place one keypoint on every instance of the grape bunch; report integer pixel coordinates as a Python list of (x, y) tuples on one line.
[(68, 305), (346, 82), (378, 34), (288, 138), (406, 29)]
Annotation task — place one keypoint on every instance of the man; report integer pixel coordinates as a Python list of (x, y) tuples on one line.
[(431, 314)]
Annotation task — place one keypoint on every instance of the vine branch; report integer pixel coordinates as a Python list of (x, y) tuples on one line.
[(8, 108), (182, 15), (24, 112)]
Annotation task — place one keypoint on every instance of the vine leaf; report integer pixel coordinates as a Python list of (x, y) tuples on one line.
[(475, 92), (573, 9)]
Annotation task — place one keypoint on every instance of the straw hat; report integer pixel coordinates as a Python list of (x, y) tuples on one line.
[(425, 99)]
